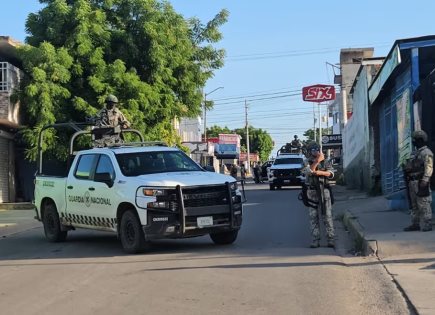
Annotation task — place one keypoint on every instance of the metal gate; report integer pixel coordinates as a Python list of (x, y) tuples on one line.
[(4, 170), (391, 172)]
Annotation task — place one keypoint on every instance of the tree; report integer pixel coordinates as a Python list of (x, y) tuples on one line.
[(152, 58), (309, 134), (214, 131)]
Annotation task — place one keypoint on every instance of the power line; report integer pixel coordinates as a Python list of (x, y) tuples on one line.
[(266, 111), (254, 95), (260, 99), (294, 53)]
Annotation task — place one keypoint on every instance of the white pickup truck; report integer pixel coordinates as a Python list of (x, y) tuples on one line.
[(286, 170), (140, 192)]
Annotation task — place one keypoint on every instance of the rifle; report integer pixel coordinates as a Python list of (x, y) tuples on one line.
[(405, 169), (321, 209)]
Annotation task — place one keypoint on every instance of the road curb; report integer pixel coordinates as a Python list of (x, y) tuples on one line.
[(366, 246), (17, 206)]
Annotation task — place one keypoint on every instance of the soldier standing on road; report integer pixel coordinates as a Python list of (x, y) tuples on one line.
[(257, 173), (233, 171), (317, 168), (419, 170), (242, 172), (111, 115)]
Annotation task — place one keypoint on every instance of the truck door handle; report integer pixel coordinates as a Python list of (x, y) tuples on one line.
[(91, 188), (70, 187)]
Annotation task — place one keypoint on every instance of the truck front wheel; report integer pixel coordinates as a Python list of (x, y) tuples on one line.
[(224, 238), (131, 233), (52, 225)]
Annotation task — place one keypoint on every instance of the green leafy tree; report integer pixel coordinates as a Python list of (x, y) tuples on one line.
[(309, 134), (214, 131), (260, 141), (151, 57)]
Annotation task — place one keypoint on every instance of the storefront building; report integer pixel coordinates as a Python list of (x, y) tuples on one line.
[(394, 113)]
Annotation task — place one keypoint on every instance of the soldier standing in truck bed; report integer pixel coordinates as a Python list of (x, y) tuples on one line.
[(111, 115)]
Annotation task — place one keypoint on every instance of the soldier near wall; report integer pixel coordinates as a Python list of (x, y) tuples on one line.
[(317, 194), (418, 171)]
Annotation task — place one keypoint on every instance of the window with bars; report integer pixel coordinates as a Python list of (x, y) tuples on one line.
[(4, 82)]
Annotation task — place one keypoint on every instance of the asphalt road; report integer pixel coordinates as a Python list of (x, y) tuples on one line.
[(269, 270)]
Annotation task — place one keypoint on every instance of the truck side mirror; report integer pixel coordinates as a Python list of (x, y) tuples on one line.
[(104, 178)]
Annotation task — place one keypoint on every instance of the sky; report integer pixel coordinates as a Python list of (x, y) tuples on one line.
[(275, 48)]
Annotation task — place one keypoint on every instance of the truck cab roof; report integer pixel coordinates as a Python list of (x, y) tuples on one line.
[(129, 149), (288, 160)]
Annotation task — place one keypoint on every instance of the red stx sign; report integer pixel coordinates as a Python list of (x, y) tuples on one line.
[(318, 93)]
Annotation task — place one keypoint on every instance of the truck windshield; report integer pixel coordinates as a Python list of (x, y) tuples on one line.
[(142, 163), (288, 161)]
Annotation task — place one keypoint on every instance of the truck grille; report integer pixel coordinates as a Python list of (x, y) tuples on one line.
[(287, 173), (205, 196)]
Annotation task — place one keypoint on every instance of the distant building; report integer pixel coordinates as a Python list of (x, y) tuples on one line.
[(189, 129), (398, 105), (10, 76), (357, 136), (350, 61)]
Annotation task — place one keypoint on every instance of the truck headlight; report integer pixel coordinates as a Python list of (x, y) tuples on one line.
[(163, 205), (158, 205), (153, 192)]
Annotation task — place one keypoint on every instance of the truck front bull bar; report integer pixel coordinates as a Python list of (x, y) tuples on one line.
[(182, 209)]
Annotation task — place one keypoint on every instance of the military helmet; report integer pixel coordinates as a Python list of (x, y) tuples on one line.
[(111, 99), (295, 136), (313, 146), (419, 134)]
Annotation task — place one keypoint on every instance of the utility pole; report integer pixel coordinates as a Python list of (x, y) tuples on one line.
[(328, 151), (205, 118), (320, 127), (247, 139), (205, 112), (205, 124), (314, 121)]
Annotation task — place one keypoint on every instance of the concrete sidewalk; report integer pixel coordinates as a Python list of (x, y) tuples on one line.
[(409, 257), (16, 221)]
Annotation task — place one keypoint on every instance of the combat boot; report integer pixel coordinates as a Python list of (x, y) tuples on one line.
[(412, 227), (426, 229), (315, 244)]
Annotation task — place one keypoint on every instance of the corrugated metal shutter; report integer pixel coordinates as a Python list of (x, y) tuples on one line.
[(391, 173), (4, 170)]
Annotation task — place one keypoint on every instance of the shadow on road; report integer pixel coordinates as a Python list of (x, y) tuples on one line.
[(273, 227)]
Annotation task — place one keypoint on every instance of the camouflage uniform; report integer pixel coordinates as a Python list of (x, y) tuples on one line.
[(296, 144), (313, 211), (111, 117), (420, 167), (109, 121)]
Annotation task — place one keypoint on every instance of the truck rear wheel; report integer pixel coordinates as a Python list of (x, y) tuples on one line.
[(52, 226), (131, 233), (224, 238)]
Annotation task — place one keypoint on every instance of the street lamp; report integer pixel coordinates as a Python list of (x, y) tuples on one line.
[(205, 111)]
